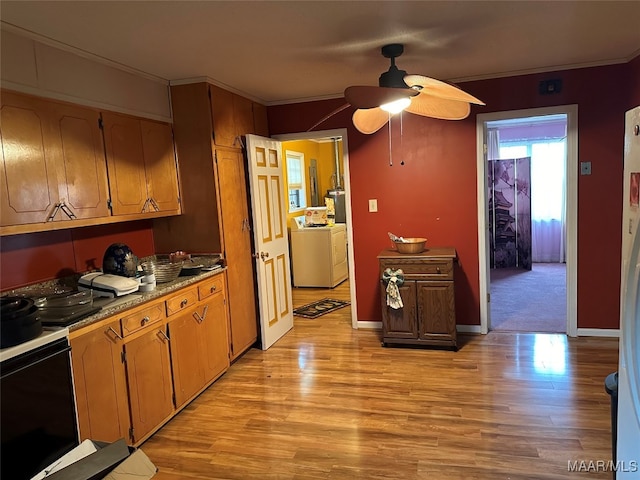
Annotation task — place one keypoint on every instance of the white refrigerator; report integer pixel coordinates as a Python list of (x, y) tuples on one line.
[(628, 438)]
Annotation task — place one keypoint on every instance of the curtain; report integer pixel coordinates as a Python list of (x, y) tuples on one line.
[(548, 197)]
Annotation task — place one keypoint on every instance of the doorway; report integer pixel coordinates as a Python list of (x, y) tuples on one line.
[(320, 178), (529, 137)]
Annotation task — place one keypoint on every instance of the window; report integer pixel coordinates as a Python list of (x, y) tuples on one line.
[(547, 174), (296, 183)]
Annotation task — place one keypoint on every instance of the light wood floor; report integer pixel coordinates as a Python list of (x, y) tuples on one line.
[(328, 402)]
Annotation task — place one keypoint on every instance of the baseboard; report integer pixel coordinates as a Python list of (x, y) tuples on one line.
[(599, 332), (468, 328), (370, 325)]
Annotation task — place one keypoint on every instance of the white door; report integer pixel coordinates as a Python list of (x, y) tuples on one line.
[(268, 203)]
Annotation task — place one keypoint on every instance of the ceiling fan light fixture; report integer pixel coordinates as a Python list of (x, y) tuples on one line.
[(396, 106)]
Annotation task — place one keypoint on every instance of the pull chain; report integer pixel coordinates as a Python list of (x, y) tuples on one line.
[(390, 154), (401, 147)]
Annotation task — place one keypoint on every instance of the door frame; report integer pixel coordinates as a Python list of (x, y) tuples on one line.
[(571, 209), (338, 132)]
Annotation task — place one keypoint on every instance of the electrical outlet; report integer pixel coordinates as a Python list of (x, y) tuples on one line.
[(585, 168), (373, 205)]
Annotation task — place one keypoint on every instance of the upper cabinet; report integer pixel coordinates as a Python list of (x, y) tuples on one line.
[(52, 167), (66, 165), (143, 176), (234, 116)]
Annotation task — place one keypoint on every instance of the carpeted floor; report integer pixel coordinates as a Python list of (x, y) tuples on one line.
[(529, 301)]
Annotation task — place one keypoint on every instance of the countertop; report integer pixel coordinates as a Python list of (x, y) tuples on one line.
[(134, 299), (114, 305)]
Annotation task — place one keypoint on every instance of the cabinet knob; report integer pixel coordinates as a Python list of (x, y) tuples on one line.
[(213, 289), (438, 270), (183, 303), (145, 320)]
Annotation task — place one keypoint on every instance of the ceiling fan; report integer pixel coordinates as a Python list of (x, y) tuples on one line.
[(398, 91)]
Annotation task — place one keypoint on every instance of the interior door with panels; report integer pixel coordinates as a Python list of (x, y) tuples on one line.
[(271, 241)]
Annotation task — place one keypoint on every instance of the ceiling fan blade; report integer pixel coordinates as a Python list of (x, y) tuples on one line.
[(437, 107), (370, 120), (371, 97), (440, 89)]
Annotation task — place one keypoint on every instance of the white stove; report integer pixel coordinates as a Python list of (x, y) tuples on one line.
[(48, 335)]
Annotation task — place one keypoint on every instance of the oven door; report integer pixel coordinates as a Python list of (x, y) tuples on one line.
[(38, 423)]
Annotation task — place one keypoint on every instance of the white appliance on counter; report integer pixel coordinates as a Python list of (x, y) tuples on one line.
[(628, 437), (108, 285), (318, 254)]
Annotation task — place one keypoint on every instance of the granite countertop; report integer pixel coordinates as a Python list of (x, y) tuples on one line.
[(110, 306), (126, 302)]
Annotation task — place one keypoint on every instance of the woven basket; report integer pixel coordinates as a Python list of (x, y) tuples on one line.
[(411, 245)]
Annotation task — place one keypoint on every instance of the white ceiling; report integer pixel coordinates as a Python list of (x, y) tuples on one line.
[(288, 51)]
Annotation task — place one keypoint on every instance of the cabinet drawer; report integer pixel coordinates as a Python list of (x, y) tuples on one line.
[(136, 321), (211, 287), (422, 269), (182, 300)]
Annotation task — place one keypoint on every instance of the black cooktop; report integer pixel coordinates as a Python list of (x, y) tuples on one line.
[(48, 319)]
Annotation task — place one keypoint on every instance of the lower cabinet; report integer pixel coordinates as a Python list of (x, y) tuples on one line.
[(148, 368), (428, 315), (100, 383), (134, 371), (198, 346)]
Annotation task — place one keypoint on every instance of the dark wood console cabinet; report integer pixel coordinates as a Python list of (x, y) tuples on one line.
[(428, 314)]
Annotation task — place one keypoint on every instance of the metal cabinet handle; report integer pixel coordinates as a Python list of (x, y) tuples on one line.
[(438, 269), (164, 335), (201, 318), (154, 204), (144, 320), (184, 303), (213, 289), (115, 333)]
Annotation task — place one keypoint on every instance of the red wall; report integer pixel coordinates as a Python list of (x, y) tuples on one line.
[(37, 257), (434, 193)]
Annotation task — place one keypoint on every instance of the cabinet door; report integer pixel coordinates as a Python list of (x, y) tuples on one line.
[(214, 336), (260, 120), (237, 250), (125, 161), (84, 187), (436, 310), (100, 384), (149, 376), (28, 171), (401, 322), (224, 128), (243, 115), (160, 166), (188, 374)]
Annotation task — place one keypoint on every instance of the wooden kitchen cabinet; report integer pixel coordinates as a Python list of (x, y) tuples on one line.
[(199, 344), (135, 370), (428, 315), (148, 368), (141, 162), (53, 166), (100, 382), (215, 204), (232, 117)]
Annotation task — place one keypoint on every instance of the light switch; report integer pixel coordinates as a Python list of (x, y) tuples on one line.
[(585, 168), (373, 205)]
